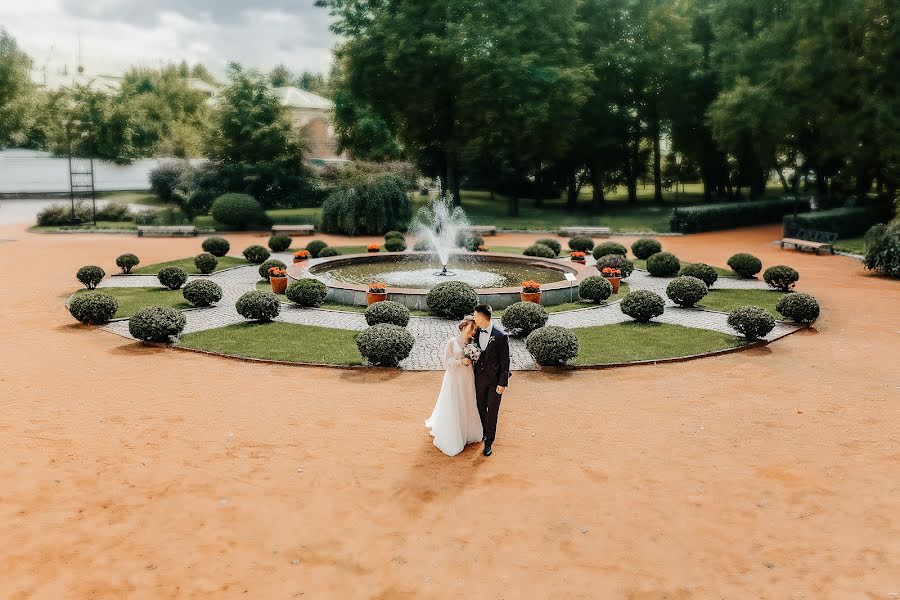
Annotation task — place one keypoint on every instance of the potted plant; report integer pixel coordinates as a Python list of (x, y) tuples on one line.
[(577, 256), (373, 248), (301, 255), (278, 279), (377, 292), (614, 276), (531, 292)]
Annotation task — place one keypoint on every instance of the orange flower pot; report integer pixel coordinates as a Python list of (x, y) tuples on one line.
[(279, 284), (299, 259), (372, 298), (615, 283), (530, 297), (578, 260)]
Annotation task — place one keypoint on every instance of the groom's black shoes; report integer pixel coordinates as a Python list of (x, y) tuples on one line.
[(488, 450)]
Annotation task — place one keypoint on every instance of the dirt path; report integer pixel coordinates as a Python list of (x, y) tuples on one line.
[(134, 472)]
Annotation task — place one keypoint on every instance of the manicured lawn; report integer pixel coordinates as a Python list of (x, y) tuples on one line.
[(631, 341), (87, 226), (855, 245), (342, 249), (579, 304), (722, 271), (133, 299), (145, 198), (188, 265), (728, 300), (279, 341)]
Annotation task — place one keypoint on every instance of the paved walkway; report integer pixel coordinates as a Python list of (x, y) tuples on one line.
[(430, 332)]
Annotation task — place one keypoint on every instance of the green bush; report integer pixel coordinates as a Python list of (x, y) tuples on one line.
[(663, 264), (315, 248), (552, 244), (846, 222), (395, 244), (595, 288), (581, 243), (607, 248), (202, 292), (394, 234), (552, 345), (745, 265), (329, 251), (216, 246), (781, 277), (145, 217), (385, 345), (798, 307), (60, 214), (728, 215), (752, 322), (616, 261), (113, 211), (644, 248), (93, 308), (258, 306), (539, 250), (172, 277), (453, 299), (368, 205), (280, 242), (387, 311), (90, 276), (237, 210), (469, 241), (126, 262), (307, 292), (422, 245), (642, 305), (165, 176), (272, 262), (206, 263), (256, 254), (521, 318), (156, 324), (701, 271), (883, 250), (686, 290)]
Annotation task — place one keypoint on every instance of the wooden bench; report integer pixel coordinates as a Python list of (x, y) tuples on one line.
[(167, 230), (590, 231), (810, 239), (294, 229), (481, 229)]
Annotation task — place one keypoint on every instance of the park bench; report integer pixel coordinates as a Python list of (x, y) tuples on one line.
[(294, 229), (585, 230), (481, 229), (167, 230), (810, 239)]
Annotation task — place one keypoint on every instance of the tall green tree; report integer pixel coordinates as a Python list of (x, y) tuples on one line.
[(17, 93)]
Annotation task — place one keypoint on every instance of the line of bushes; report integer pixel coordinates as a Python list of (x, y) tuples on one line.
[(712, 217), (846, 222)]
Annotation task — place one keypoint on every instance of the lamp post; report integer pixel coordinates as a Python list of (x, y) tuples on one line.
[(677, 174), (798, 163)]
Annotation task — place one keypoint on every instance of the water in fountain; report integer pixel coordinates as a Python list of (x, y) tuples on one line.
[(439, 224)]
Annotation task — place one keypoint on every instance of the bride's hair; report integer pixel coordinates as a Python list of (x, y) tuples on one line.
[(465, 322)]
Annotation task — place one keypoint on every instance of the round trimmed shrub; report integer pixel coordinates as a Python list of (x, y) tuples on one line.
[(663, 264), (609, 248), (540, 251), (701, 271), (206, 263), (90, 276), (202, 292), (644, 248), (781, 277), (93, 308), (216, 246), (798, 307), (126, 262), (395, 244), (272, 262), (552, 244), (521, 318), (883, 249), (595, 288), (552, 345), (307, 292), (256, 254), (686, 290), (642, 305), (329, 251), (280, 242), (237, 210), (387, 311), (394, 234), (258, 306), (745, 265), (581, 243), (752, 322), (156, 324), (315, 248), (453, 299), (384, 344), (616, 261), (172, 277)]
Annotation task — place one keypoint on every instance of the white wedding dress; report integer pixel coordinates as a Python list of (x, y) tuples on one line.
[(455, 421)]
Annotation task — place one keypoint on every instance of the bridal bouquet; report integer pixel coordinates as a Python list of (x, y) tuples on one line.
[(472, 352)]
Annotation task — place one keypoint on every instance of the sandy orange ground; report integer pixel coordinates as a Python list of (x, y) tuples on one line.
[(133, 472)]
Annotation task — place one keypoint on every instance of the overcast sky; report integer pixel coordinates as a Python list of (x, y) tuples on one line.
[(119, 33)]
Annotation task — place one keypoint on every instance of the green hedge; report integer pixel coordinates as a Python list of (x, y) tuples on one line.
[(712, 217), (846, 222)]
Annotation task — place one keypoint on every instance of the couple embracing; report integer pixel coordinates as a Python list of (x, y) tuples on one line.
[(477, 373)]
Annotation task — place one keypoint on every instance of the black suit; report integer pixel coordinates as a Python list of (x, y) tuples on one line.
[(491, 370)]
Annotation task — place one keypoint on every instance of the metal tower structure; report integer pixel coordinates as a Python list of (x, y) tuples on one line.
[(81, 168)]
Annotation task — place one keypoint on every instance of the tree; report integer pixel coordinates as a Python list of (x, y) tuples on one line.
[(281, 76), (16, 93)]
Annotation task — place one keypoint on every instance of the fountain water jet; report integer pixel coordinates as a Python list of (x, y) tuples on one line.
[(439, 223)]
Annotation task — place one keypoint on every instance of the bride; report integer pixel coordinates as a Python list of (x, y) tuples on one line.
[(455, 421)]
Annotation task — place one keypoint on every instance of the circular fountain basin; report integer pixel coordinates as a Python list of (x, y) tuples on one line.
[(409, 275)]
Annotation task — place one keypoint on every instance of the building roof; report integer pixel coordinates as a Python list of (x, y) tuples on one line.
[(296, 98), (55, 79)]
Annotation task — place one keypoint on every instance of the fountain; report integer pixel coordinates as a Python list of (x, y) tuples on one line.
[(439, 224)]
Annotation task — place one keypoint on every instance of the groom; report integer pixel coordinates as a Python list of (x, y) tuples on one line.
[(491, 372)]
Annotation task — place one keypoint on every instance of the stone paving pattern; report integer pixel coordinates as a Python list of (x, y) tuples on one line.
[(431, 333)]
